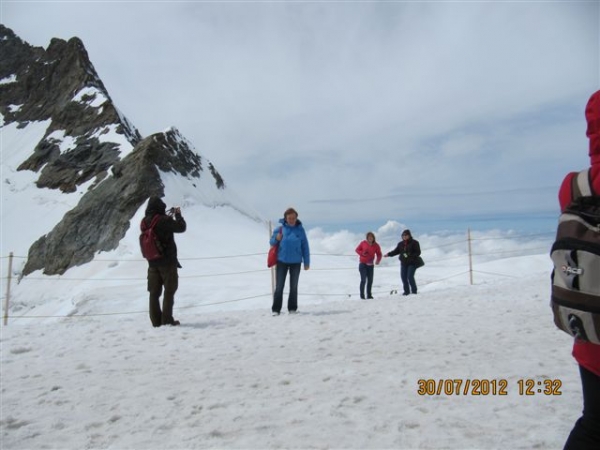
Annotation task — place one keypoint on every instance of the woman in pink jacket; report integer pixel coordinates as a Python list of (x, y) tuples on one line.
[(586, 432), (367, 250)]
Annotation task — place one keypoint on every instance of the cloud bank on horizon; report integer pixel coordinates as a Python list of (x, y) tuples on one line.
[(353, 111)]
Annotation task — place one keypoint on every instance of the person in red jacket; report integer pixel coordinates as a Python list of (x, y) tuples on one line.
[(367, 251), (586, 432)]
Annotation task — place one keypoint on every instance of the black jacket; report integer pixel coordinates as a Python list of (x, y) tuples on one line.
[(409, 251), (165, 228)]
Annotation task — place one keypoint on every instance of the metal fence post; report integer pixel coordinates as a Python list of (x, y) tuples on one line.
[(8, 278), (470, 256)]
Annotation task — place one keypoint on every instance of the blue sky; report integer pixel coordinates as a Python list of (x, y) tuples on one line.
[(352, 111)]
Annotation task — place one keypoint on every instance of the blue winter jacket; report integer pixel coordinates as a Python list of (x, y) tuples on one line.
[(293, 247)]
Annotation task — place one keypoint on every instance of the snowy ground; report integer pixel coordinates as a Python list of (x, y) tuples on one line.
[(342, 374), (81, 367)]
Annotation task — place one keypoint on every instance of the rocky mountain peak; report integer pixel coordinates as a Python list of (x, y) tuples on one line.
[(86, 141), (102, 217), (60, 85)]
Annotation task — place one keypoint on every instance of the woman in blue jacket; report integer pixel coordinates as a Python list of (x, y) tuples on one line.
[(293, 251)]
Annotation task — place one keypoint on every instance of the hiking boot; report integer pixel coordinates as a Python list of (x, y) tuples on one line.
[(274, 313), (293, 312)]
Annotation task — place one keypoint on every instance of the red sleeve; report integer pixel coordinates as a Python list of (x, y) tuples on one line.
[(378, 253), (587, 355)]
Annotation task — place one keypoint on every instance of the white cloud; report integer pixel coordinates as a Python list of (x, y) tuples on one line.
[(298, 102)]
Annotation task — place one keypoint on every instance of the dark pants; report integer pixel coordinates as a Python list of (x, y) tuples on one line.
[(407, 274), (366, 277), (159, 277), (281, 273), (585, 435)]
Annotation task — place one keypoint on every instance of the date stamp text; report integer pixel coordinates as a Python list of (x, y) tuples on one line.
[(487, 386)]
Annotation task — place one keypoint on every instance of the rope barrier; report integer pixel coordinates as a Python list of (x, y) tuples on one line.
[(133, 312), (446, 278), (549, 233), (143, 278), (14, 256), (320, 254), (389, 291), (122, 313), (510, 251), (224, 302), (452, 243), (495, 273), (392, 291), (512, 237), (225, 274), (437, 260)]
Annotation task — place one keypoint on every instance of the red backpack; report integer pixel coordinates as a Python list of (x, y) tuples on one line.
[(150, 245)]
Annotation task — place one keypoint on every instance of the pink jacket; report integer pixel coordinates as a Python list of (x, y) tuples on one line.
[(367, 252)]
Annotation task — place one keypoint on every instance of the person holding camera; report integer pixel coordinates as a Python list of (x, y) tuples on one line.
[(162, 272), (367, 250)]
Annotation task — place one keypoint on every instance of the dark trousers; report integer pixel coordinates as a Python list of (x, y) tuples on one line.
[(585, 435), (158, 278), (366, 277), (407, 275), (281, 274)]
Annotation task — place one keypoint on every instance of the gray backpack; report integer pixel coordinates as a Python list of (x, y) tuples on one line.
[(575, 253)]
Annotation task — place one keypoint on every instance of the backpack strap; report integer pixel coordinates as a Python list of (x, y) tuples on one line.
[(155, 220), (581, 185), (144, 225)]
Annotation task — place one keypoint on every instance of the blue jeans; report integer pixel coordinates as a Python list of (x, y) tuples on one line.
[(280, 275), (407, 274), (366, 277)]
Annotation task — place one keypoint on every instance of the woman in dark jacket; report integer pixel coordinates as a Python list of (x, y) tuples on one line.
[(409, 251)]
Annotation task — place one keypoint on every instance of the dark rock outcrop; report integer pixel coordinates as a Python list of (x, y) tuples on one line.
[(102, 217), (60, 85)]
